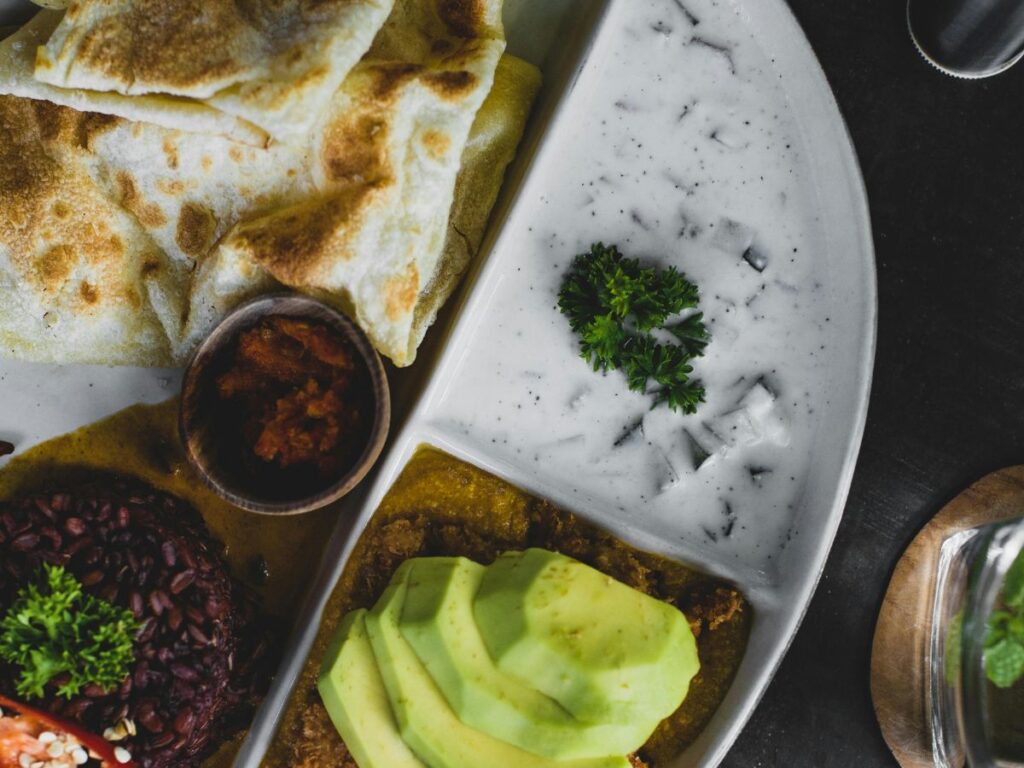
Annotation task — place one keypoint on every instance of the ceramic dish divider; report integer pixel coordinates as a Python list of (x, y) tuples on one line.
[(780, 597)]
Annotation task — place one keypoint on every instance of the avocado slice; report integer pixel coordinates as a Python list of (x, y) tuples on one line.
[(437, 621), (354, 694), (427, 723), (603, 650)]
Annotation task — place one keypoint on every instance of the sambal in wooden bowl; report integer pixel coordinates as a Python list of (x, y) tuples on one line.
[(285, 406)]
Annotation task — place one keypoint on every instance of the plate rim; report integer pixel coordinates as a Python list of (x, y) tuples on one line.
[(732, 716), (861, 225)]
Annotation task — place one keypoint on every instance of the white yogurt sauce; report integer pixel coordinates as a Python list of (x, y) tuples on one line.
[(690, 167)]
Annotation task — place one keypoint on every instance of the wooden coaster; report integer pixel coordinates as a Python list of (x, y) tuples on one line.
[(899, 679)]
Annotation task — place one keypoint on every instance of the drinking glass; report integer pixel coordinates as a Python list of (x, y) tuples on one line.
[(976, 623)]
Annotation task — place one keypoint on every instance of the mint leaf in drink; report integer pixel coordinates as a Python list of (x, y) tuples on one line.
[(1004, 662), (1013, 587), (998, 627)]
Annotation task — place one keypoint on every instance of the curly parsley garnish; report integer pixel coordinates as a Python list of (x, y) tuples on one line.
[(55, 629), (613, 304)]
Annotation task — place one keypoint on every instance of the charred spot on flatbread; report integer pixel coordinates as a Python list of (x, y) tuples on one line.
[(355, 149), (150, 268), (400, 293), (88, 292), (462, 17), (299, 244), (53, 267), (389, 76), (171, 187), (170, 148), (451, 85), (196, 227), (148, 214), (436, 143)]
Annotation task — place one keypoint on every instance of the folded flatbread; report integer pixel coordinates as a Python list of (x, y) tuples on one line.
[(361, 215), (17, 78), (492, 146), (270, 64), (385, 166), (73, 264)]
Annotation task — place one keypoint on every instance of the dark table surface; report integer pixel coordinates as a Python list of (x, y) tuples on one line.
[(943, 161)]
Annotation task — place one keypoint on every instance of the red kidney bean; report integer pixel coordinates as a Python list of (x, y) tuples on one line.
[(75, 526), (182, 581), (25, 542)]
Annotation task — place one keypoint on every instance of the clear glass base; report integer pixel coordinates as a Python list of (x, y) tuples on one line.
[(973, 721)]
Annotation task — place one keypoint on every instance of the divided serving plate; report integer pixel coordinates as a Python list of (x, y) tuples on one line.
[(683, 130)]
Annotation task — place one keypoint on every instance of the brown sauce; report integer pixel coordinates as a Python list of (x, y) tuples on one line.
[(142, 442), (297, 403), (443, 506)]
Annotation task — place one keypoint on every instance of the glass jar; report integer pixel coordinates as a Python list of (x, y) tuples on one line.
[(976, 681)]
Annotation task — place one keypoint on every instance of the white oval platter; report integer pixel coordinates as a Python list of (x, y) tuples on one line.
[(691, 133)]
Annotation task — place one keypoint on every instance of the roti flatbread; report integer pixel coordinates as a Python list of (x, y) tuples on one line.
[(492, 144), (388, 158), (362, 215), (272, 63), (359, 218), (196, 210), (73, 265), (17, 63)]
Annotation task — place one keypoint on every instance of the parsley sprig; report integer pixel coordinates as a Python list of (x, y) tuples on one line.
[(55, 629), (613, 304), (1004, 643)]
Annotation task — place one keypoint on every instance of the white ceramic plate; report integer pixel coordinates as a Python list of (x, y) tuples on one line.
[(659, 121)]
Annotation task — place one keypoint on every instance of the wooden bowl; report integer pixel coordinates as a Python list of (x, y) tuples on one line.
[(209, 446)]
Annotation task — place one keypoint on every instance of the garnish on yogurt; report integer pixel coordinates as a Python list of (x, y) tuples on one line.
[(615, 306), (57, 631)]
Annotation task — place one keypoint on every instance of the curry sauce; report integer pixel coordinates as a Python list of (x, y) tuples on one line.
[(441, 506)]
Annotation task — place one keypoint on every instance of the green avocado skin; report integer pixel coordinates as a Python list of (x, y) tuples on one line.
[(603, 650), (354, 695), (437, 621), (426, 721)]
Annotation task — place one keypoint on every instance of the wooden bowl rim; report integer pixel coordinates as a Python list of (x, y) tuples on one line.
[(245, 316)]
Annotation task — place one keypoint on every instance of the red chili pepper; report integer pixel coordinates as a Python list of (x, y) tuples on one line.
[(97, 745)]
